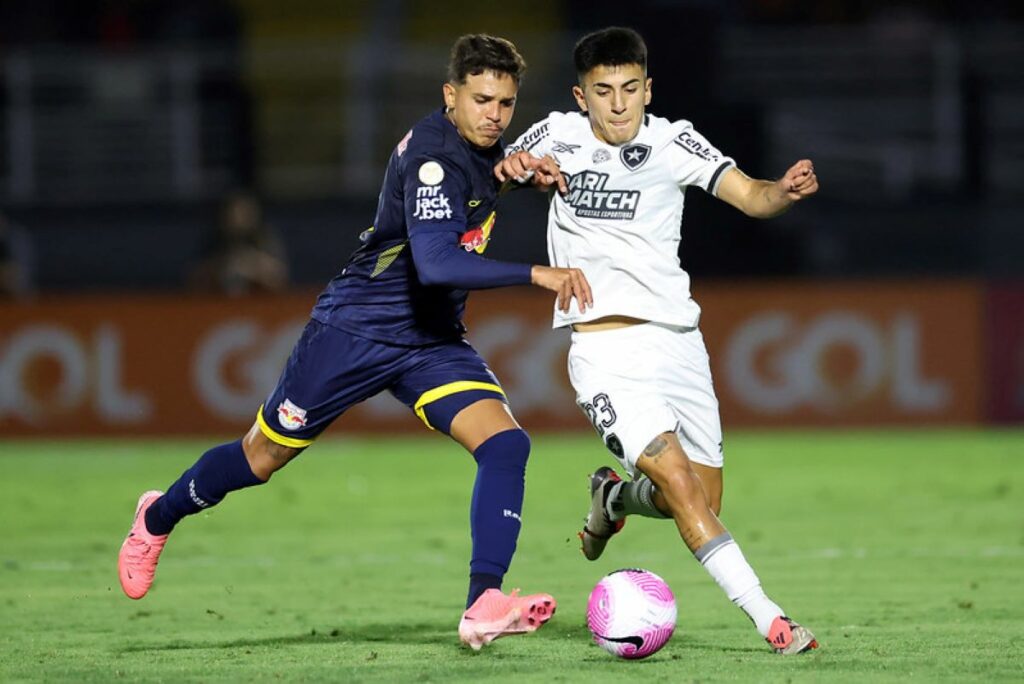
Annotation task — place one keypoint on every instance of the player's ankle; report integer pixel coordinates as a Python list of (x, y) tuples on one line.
[(156, 524)]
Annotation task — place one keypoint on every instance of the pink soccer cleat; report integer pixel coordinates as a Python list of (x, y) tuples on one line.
[(789, 638), (495, 615), (136, 564)]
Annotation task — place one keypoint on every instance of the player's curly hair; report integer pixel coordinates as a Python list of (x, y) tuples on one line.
[(476, 53), (613, 46)]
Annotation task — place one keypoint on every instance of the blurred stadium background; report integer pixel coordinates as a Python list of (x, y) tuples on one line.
[(148, 150), (895, 297)]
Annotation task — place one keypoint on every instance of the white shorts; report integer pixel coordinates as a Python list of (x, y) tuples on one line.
[(637, 382)]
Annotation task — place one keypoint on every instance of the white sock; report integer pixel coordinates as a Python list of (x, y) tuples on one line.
[(613, 506), (632, 498), (724, 561)]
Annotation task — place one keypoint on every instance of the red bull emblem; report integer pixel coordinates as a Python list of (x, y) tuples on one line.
[(476, 239), (290, 416)]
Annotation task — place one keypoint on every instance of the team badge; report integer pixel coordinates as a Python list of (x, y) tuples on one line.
[(634, 156), (290, 416), (614, 445), (601, 155), (431, 173)]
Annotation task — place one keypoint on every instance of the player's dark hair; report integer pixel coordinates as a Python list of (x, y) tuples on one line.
[(476, 53), (614, 46)]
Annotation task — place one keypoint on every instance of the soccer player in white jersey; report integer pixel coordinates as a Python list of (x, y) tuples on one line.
[(637, 359)]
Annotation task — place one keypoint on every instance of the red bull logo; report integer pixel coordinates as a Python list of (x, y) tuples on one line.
[(476, 239), (290, 416)]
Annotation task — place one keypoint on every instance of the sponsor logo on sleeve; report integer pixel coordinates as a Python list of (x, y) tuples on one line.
[(634, 156), (432, 204), (696, 147), (290, 416), (533, 137)]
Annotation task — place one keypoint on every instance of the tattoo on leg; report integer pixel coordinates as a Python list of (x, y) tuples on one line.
[(282, 454), (656, 448)]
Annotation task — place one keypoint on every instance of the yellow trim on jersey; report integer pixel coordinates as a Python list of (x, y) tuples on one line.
[(386, 258), (485, 228), (447, 390), (279, 439)]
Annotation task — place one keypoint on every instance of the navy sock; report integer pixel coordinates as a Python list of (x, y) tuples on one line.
[(220, 470), (496, 508), (479, 583)]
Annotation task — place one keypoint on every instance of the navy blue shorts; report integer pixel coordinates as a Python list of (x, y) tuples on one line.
[(330, 370)]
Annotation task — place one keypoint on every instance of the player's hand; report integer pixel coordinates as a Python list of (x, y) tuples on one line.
[(567, 283), (800, 181), (523, 166)]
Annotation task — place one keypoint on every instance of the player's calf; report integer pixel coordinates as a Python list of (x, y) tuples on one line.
[(220, 470)]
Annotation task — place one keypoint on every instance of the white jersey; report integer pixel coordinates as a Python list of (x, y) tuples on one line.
[(621, 220)]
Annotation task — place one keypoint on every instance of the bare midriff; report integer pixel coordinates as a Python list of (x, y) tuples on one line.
[(607, 323)]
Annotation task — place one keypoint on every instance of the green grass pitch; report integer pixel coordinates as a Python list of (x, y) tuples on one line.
[(904, 551)]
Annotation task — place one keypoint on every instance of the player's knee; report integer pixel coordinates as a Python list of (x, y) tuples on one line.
[(266, 457), (509, 449)]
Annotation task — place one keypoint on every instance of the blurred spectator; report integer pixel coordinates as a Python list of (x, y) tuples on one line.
[(15, 260), (242, 255)]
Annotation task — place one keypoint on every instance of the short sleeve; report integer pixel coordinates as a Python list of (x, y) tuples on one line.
[(695, 161), (536, 140), (435, 193)]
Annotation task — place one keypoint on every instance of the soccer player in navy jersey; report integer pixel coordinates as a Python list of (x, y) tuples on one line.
[(392, 320)]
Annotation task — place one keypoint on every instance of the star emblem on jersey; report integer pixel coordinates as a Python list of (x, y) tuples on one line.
[(633, 156), (601, 155)]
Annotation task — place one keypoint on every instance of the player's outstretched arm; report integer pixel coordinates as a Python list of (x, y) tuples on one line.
[(522, 166), (566, 283), (441, 261), (766, 199)]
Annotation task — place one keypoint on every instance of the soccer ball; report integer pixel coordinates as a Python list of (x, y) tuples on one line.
[(631, 613)]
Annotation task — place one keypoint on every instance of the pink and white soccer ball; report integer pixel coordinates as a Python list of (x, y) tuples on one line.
[(631, 613)]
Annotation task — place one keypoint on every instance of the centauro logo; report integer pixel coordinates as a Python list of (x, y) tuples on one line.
[(589, 198), (533, 137), (695, 147), (432, 204)]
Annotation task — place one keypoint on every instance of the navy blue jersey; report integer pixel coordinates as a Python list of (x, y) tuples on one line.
[(435, 182)]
